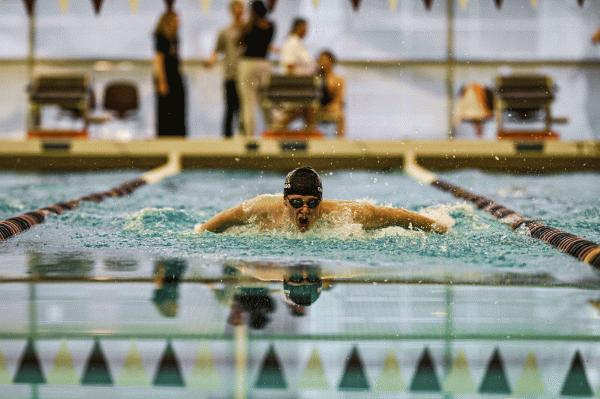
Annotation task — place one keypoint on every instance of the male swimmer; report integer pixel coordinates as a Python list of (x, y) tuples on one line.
[(303, 205)]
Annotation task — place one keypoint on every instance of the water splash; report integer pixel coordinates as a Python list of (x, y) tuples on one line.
[(9, 206), (149, 220)]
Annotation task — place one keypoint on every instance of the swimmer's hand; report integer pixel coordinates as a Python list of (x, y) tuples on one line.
[(199, 228), (439, 227)]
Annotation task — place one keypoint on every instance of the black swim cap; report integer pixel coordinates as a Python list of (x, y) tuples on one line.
[(303, 181), (303, 295)]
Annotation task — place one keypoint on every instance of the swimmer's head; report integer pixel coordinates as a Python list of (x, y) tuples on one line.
[(303, 181), (303, 291), (302, 195), (302, 284)]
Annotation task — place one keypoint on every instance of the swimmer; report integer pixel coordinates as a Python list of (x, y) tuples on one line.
[(302, 205)]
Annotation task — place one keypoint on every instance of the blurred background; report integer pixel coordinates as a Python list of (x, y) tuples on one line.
[(404, 65)]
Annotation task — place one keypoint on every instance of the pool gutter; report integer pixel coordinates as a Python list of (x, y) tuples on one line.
[(551, 156)]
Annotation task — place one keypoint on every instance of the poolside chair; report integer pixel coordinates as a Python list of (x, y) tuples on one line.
[(122, 98), (523, 107), (70, 93), (289, 93)]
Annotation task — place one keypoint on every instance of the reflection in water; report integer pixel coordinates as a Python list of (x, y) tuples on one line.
[(302, 284), (73, 264), (252, 305), (167, 274), (121, 265)]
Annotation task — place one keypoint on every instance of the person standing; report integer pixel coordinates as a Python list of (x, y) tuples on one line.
[(295, 58), (228, 45), (168, 81), (254, 67)]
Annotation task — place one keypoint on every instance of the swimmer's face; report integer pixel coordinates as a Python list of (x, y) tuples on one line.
[(304, 216)]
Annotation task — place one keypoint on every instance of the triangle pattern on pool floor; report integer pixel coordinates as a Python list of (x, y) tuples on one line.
[(576, 382), (459, 379), (354, 378), (390, 379), (4, 373), (425, 378), (63, 372), (30, 370), (96, 371), (495, 381), (204, 375), (133, 373), (530, 382), (271, 373), (169, 373), (314, 377)]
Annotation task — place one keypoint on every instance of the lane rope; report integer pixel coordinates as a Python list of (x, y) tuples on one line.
[(18, 224), (580, 248)]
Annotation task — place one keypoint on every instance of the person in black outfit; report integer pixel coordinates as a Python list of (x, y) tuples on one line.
[(169, 83)]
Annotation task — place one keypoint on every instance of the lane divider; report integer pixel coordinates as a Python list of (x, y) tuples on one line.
[(580, 248), (18, 224)]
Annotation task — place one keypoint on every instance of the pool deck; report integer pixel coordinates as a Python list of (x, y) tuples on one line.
[(551, 156)]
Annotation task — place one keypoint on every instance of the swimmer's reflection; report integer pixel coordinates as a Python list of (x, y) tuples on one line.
[(167, 273), (250, 301), (302, 282)]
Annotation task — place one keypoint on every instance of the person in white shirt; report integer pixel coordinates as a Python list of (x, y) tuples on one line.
[(295, 59)]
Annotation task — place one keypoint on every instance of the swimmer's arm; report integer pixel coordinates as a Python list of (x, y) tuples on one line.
[(376, 217), (380, 217), (224, 220)]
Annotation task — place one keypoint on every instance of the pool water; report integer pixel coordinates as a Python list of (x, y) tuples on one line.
[(159, 219), (481, 310)]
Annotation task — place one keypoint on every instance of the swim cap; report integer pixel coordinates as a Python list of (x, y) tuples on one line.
[(303, 295), (303, 181)]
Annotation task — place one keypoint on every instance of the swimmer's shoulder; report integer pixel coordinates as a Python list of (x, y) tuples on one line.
[(333, 205), (263, 203)]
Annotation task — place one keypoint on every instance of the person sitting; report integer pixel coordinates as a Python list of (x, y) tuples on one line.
[(295, 58), (332, 102), (302, 206), (475, 105)]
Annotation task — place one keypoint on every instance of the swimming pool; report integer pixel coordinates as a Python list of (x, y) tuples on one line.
[(405, 303)]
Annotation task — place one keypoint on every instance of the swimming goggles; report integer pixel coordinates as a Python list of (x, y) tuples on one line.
[(298, 278), (311, 203)]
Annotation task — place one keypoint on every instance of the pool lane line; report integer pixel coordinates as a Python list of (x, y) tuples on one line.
[(18, 224), (580, 248)]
